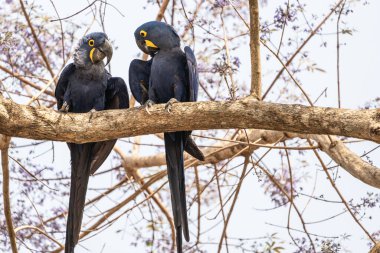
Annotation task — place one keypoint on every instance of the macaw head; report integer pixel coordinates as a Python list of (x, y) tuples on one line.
[(154, 36), (92, 49)]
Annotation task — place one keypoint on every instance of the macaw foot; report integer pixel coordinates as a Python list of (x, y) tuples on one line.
[(148, 104), (65, 107), (91, 114), (169, 104)]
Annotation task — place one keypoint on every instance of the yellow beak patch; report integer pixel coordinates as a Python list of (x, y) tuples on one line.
[(149, 43), (92, 54)]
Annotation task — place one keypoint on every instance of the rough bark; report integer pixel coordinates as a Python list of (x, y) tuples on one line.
[(42, 123), (375, 249)]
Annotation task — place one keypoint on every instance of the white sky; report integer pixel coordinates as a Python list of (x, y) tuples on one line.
[(359, 65)]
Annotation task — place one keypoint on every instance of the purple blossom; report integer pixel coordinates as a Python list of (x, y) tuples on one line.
[(221, 3)]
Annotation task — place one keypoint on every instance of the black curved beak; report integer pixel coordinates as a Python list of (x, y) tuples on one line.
[(107, 50), (99, 53)]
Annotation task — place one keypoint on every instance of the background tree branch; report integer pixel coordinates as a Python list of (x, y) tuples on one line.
[(337, 151), (254, 45), (4, 145)]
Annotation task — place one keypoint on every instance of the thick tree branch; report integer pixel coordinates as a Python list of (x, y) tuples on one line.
[(4, 145), (33, 123)]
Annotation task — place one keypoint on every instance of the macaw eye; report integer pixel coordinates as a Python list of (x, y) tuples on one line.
[(143, 33), (91, 43)]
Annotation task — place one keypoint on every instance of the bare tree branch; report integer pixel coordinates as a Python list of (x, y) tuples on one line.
[(305, 42), (246, 162), (337, 151), (4, 145), (350, 161), (25, 81), (255, 48), (42, 52), (162, 10), (29, 122), (39, 231), (341, 196), (139, 179)]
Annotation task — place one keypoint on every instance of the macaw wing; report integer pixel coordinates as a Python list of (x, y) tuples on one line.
[(139, 74), (192, 74), (62, 84), (116, 98)]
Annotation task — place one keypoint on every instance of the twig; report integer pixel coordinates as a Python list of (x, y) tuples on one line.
[(290, 74), (162, 10), (291, 192), (338, 52), (191, 21), (22, 79), (62, 35), (300, 231), (340, 194), (99, 197), (228, 58), (221, 204), (246, 162), (199, 203), (76, 13), (301, 47), (139, 179), (30, 174), (283, 28), (173, 12), (42, 90), (40, 231), (281, 188)]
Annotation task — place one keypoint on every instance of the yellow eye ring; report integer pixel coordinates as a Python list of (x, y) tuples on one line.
[(91, 43), (143, 33)]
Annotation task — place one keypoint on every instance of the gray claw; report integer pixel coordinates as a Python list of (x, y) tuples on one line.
[(65, 107), (91, 114), (148, 105), (169, 104)]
